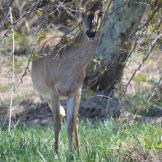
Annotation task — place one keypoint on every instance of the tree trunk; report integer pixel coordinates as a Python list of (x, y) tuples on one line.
[(124, 19)]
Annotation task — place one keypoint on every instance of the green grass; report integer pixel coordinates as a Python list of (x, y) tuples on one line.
[(100, 142)]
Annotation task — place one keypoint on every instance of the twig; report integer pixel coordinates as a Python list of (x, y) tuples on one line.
[(41, 156), (145, 58), (6, 10), (25, 14), (155, 88), (27, 66), (68, 11), (13, 69)]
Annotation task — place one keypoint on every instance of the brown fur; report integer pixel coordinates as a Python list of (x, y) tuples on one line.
[(62, 76)]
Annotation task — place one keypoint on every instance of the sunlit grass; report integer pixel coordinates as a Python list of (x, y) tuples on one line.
[(107, 141)]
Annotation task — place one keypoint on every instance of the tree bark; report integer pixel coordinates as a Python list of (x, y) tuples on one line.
[(124, 19)]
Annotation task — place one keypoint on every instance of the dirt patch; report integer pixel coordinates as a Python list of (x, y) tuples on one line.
[(31, 112)]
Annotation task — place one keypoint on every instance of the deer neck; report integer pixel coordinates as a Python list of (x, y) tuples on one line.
[(87, 49)]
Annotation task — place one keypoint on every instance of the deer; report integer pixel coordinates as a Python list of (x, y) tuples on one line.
[(60, 75)]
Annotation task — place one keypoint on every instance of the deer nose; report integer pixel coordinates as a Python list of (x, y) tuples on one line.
[(91, 34)]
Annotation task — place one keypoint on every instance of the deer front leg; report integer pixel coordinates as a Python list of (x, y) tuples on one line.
[(56, 117), (72, 111)]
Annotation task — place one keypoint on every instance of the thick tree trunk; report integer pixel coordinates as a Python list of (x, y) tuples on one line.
[(114, 43)]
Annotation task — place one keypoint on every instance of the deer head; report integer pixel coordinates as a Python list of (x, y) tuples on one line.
[(92, 18)]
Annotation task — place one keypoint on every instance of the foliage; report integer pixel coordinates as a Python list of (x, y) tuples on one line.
[(140, 77)]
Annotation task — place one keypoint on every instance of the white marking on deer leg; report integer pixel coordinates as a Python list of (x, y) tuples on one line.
[(62, 111)]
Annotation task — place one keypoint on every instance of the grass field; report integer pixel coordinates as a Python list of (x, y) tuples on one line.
[(99, 142)]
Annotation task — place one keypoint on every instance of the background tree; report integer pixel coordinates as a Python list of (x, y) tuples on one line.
[(123, 27)]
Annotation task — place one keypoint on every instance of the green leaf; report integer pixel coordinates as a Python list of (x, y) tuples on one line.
[(42, 36), (89, 92)]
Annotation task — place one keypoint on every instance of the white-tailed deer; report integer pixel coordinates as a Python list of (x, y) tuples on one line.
[(60, 73)]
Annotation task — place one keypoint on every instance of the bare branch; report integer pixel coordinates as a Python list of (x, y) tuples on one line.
[(145, 58), (13, 71)]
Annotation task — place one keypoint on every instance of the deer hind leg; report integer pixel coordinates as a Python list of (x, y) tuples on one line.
[(72, 111), (56, 117)]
